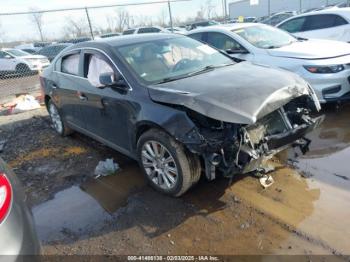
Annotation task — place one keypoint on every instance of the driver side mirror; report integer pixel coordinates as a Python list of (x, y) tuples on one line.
[(234, 51), (111, 79)]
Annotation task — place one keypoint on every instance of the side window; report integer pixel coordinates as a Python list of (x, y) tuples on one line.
[(222, 41), (316, 22), (70, 64), (2, 54), (197, 36), (294, 26), (95, 65), (340, 21)]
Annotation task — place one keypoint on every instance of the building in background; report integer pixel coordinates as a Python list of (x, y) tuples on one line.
[(266, 7)]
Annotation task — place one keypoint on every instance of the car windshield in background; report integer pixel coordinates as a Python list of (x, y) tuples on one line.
[(266, 37), (16, 52), (171, 59)]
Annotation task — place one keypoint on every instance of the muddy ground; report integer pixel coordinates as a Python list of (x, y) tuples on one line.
[(306, 211)]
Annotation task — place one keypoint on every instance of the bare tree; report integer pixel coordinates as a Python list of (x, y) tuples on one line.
[(123, 19), (75, 28), (163, 17), (37, 18)]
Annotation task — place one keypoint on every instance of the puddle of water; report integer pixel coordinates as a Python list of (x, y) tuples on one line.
[(77, 210)]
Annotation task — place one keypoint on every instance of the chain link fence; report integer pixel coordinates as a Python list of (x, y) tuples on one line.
[(30, 40)]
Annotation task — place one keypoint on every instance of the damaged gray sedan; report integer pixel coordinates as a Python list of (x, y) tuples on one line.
[(179, 107)]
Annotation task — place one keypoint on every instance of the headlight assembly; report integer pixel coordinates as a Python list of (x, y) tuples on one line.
[(325, 69)]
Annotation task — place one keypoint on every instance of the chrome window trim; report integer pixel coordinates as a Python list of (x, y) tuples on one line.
[(98, 50)]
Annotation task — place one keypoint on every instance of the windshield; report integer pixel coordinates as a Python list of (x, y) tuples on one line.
[(266, 37), (170, 59), (16, 52)]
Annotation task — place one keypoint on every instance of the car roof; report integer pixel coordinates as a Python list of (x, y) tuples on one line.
[(122, 40), (339, 11), (226, 27)]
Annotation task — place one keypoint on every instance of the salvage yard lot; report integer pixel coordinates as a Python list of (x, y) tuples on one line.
[(305, 211)]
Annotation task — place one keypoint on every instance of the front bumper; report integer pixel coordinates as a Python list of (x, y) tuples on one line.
[(330, 87)]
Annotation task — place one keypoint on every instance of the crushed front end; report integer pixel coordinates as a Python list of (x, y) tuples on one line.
[(238, 149)]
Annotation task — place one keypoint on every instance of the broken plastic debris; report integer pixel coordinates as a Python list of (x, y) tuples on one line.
[(266, 181), (106, 168), (26, 102)]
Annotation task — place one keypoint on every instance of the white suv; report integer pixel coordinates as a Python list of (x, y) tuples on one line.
[(18, 61), (331, 24)]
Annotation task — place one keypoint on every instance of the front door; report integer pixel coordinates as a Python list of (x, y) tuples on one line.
[(107, 111)]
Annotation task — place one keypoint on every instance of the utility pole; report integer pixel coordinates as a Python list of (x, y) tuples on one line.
[(89, 21), (300, 6), (269, 7), (171, 17)]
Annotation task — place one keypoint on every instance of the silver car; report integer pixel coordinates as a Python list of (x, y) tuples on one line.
[(17, 233), (324, 64)]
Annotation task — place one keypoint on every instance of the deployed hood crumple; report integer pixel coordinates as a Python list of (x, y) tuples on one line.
[(242, 93), (312, 49)]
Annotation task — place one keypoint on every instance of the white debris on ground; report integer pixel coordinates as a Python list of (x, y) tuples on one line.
[(25, 103), (21, 103), (106, 168), (266, 181)]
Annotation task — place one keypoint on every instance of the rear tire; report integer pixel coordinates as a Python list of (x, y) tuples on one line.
[(166, 163), (58, 124)]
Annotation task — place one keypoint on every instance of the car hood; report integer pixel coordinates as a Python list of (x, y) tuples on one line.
[(312, 49), (241, 93)]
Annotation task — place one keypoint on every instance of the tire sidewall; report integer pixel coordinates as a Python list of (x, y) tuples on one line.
[(167, 142), (49, 104)]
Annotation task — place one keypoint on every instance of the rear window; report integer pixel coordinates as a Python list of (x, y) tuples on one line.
[(70, 64), (129, 32)]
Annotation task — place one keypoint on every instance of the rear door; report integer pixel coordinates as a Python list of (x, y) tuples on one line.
[(107, 111), (66, 86), (325, 26)]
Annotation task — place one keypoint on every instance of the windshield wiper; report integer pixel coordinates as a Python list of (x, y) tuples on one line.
[(197, 72)]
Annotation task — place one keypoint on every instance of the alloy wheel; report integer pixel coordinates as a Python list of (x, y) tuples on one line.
[(55, 118), (159, 165)]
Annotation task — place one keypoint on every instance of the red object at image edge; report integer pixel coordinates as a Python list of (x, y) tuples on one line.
[(5, 187)]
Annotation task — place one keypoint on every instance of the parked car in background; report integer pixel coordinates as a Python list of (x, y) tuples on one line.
[(332, 24), (246, 19), (33, 46), (201, 24), (52, 51), (176, 29), (29, 50), (144, 30), (323, 63), (109, 35), (177, 106), (75, 40), (17, 232), (20, 62), (278, 18)]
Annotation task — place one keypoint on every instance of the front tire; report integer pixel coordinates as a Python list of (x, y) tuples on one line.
[(56, 119), (167, 165)]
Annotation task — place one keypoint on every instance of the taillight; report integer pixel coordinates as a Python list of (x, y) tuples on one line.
[(5, 196)]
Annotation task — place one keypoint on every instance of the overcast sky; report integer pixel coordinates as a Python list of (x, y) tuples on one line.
[(20, 27)]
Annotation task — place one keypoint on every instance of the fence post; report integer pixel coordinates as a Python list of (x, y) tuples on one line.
[(171, 17), (88, 18)]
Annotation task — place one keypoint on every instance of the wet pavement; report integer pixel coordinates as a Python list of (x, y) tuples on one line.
[(306, 210)]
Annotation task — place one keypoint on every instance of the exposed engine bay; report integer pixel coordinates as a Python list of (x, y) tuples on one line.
[(239, 149)]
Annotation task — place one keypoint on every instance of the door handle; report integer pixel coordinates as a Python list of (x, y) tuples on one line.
[(54, 87), (82, 97)]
